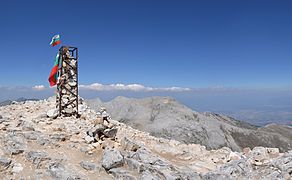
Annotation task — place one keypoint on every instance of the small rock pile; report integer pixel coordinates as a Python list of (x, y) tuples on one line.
[(99, 132)]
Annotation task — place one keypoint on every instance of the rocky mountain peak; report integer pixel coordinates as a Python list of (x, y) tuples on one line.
[(35, 146), (167, 118)]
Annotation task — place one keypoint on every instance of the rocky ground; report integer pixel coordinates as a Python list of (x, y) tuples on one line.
[(167, 118), (35, 146)]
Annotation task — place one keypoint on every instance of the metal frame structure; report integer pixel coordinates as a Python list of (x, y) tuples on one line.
[(67, 85)]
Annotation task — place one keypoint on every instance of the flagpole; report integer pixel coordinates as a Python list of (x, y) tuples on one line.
[(59, 75)]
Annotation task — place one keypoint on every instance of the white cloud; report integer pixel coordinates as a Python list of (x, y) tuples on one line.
[(39, 87), (130, 87)]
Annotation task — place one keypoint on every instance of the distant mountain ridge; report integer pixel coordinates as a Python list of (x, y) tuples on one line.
[(21, 99), (165, 117)]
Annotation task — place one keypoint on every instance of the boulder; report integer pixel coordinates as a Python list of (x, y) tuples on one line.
[(68, 110), (273, 152), (217, 176), (53, 113), (98, 131), (57, 170), (81, 108), (121, 174), (73, 83), (36, 157), (89, 139), (87, 165), (146, 157), (129, 145), (17, 168), (4, 162), (41, 140), (27, 126), (110, 133), (59, 137), (237, 169), (65, 101), (40, 116), (146, 175), (234, 156), (133, 164), (284, 164), (112, 158), (259, 155), (14, 144), (68, 87), (31, 135)]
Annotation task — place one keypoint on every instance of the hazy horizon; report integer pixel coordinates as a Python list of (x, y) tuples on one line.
[(257, 106)]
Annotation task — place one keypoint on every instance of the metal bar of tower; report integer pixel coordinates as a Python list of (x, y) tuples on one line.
[(59, 95), (77, 79), (67, 86)]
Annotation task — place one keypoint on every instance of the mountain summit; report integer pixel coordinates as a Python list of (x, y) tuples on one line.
[(35, 146), (167, 118)]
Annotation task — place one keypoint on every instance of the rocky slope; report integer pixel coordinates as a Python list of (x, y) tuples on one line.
[(165, 117), (35, 146)]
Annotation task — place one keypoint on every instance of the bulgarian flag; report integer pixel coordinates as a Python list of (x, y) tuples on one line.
[(55, 40), (54, 73)]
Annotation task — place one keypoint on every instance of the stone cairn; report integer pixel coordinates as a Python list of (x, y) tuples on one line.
[(67, 85)]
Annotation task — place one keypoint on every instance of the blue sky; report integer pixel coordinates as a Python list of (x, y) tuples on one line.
[(232, 57), (157, 43)]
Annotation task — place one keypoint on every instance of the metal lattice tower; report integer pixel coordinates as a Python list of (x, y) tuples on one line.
[(67, 86)]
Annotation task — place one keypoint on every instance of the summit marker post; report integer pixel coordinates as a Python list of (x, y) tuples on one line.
[(67, 85)]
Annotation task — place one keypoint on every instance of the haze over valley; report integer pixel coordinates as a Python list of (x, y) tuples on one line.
[(256, 106)]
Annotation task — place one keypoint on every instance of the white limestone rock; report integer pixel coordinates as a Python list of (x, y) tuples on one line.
[(52, 113), (112, 158)]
